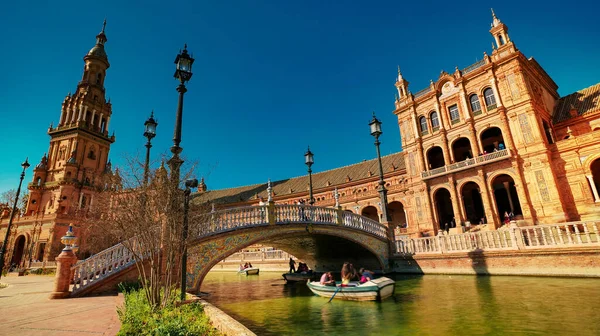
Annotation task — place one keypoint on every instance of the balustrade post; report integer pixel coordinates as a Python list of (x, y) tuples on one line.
[(340, 216), (515, 237), (62, 280), (271, 213)]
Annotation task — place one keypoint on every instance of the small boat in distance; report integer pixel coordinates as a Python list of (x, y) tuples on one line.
[(374, 290), (294, 277), (250, 271)]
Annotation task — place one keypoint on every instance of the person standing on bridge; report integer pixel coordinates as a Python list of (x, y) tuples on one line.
[(292, 265)]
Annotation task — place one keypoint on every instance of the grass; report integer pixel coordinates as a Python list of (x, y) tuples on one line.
[(138, 318)]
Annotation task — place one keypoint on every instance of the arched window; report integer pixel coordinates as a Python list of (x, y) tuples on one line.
[(423, 122), (435, 122), (500, 39), (99, 79), (490, 99), (454, 115), (475, 105)]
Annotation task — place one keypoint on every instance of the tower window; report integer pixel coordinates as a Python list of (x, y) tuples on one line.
[(99, 79), (475, 105), (500, 39), (454, 116), (490, 99), (435, 122), (423, 122), (92, 155)]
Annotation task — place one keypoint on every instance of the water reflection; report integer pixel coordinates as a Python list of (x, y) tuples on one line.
[(422, 305)]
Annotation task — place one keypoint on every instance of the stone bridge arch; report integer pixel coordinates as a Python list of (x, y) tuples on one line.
[(306, 242)]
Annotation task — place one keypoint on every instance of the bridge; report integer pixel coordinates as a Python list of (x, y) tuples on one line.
[(325, 238), (322, 237)]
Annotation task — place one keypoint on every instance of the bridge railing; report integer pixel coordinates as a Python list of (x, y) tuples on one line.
[(563, 235), (105, 263), (250, 216)]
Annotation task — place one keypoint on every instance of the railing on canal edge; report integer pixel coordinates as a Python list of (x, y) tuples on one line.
[(563, 235)]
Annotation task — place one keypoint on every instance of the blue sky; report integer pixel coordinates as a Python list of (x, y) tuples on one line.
[(270, 77)]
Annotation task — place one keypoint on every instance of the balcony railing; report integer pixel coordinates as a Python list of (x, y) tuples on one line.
[(473, 67), (422, 92), (466, 164)]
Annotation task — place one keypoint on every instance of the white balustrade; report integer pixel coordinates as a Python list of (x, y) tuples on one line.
[(561, 235)]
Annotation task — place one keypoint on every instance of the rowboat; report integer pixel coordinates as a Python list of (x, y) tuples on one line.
[(374, 290), (293, 277), (250, 271)]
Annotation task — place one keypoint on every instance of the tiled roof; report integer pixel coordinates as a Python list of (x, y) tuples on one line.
[(584, 101), (326, 179)]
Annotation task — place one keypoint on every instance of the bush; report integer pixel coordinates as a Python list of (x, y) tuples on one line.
[(138, 318), (43, 271)]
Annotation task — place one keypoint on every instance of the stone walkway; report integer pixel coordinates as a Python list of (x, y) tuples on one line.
[(26, 310)]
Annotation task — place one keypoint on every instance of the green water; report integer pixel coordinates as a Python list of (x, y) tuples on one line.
[(422, 305)]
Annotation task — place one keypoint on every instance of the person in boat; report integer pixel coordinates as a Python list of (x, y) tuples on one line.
[(327, 279), (366, 275), (348, 274), (292, 266), (249, 265), (245, 265), (241, 267), (302, 268)]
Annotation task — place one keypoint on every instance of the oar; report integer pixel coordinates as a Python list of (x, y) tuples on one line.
[(336, 291)]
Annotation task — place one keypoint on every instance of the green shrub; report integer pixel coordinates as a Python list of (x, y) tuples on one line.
[(137, 318), (43, 271)]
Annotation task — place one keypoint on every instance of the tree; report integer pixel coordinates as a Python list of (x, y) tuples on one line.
[(8, 197), (147, 220)]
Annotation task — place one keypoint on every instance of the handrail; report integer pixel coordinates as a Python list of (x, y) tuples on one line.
[(467, 163)]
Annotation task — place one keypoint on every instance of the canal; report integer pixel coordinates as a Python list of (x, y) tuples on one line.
[(422, 305)]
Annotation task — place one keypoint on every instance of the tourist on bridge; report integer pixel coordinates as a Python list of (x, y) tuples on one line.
[(327, 279), (292, 266)]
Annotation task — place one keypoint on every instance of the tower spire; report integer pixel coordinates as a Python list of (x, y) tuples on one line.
[(104, 26)]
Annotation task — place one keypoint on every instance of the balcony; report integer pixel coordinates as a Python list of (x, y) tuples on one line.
[(466, 164)]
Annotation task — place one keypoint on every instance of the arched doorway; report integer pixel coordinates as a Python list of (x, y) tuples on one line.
[(491, 139), (506, 197), (435, 157), (397, 214), (443, 206), (461, 150), (370, 212), (473, 203), (18, 250), (595, 168)]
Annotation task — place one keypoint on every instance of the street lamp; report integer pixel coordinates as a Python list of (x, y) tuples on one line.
[(375, 126), (309, 159), (183, 72), (192, 183), (25, 165), (149, 133)]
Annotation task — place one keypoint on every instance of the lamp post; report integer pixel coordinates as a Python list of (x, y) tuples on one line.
[(309, 159), (25, 165), (183, 72), (149, 133), (192, 183), (375, 126)]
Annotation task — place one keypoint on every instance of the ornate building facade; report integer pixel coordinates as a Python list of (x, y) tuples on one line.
[(490, 141), (74, 169)]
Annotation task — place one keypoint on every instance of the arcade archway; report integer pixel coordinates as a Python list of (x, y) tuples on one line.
[(397, 214), (491, 139), (435, 157), (370, 212), (473, 203), (461, 150), (18, 250), (443, 206), (506, 197)]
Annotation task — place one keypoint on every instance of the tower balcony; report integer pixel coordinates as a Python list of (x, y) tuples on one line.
[(467, 164)]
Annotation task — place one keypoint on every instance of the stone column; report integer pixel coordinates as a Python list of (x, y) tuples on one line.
[(458, 215), (496, 93), (506, 133), (414, 122), (445, 148), (487, 202), (475, 143), (62, 282), (594, 189), (463, 102), (510, 201), (442, 115)]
